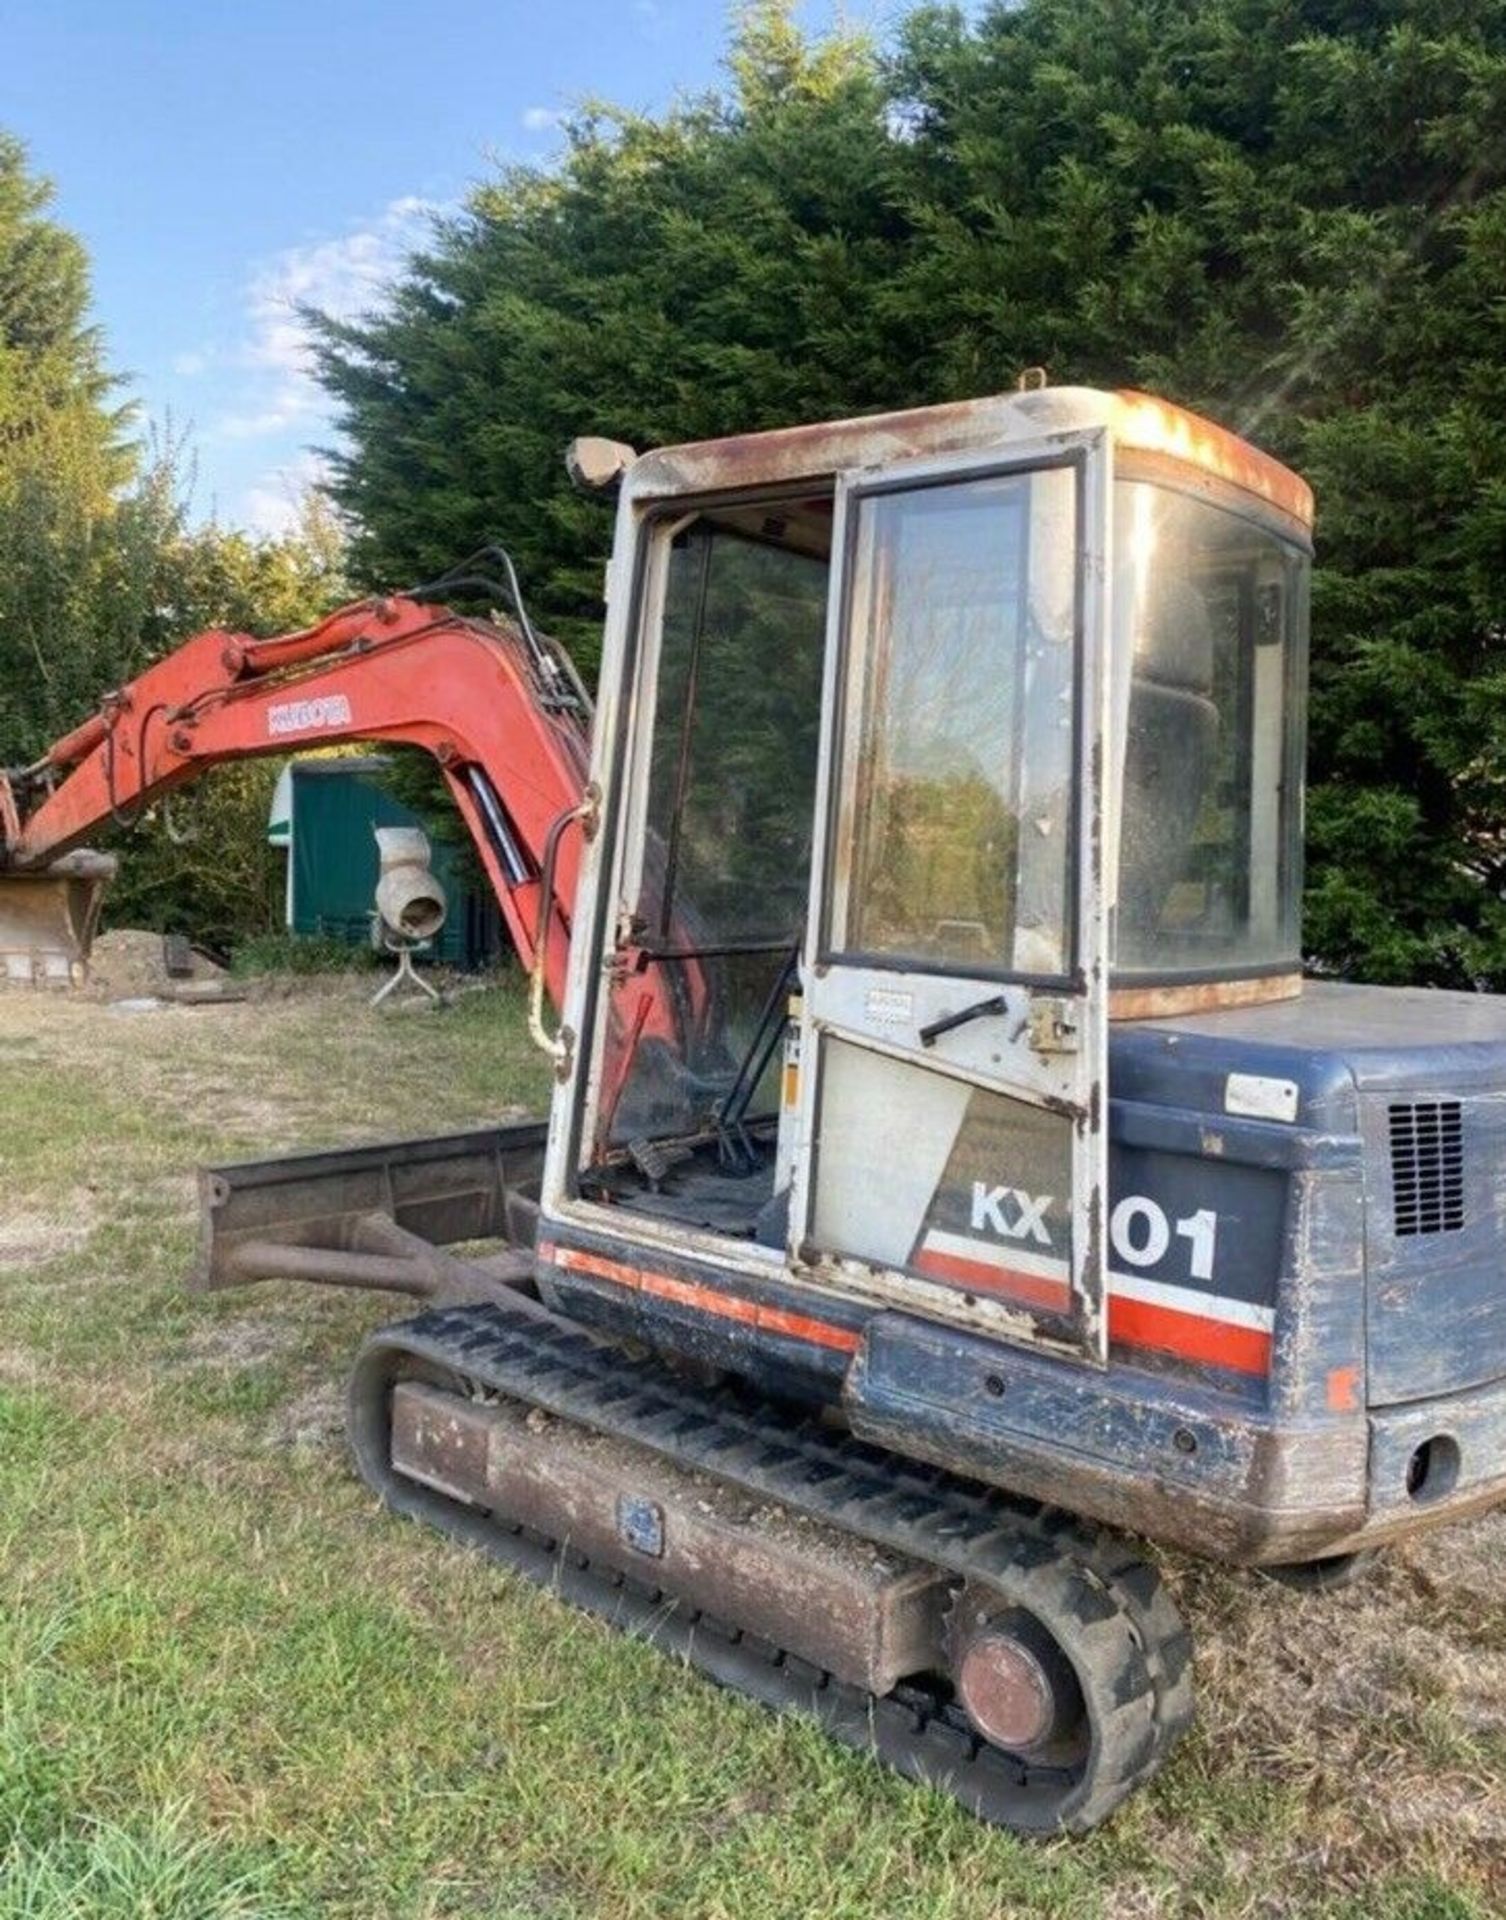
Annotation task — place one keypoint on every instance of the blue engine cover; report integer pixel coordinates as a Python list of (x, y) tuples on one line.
[(1400, 1103), (1306, 1293)]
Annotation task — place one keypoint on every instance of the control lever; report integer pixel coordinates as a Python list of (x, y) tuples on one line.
[(929, 1035)]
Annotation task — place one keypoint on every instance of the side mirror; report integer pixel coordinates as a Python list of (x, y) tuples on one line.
[(596, 465)]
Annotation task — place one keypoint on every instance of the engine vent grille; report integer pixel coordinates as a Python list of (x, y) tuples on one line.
[(1427, 1166)]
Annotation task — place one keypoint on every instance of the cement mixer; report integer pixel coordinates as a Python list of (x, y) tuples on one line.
[(410, 905)]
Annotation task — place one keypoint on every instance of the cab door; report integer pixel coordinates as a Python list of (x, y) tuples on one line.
[(954, 991)]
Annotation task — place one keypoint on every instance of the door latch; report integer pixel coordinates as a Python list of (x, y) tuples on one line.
[(1053, 1026)]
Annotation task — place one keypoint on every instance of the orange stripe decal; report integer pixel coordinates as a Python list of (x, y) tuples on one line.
[(1132, 1323), (1029, 1289), (690, 1293), (1192, 1336)]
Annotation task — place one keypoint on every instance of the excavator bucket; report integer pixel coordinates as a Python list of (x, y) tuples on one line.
[(48, 919)]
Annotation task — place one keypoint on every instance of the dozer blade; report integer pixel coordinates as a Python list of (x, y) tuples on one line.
[(380, 1216), (48, 919)]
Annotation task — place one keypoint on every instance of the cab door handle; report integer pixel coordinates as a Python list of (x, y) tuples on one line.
[(930, 1034)]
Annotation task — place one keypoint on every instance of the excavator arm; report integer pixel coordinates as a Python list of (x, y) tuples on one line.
[(500, 711)]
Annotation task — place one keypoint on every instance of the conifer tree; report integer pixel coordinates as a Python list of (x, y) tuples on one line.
[(1288, 213), (73, 558), (99, 572)]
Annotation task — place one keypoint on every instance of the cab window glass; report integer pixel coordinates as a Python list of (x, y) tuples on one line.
[(958, 746), (1209, 633)]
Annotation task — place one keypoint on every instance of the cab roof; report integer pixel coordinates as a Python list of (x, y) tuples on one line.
[(1138, 422)]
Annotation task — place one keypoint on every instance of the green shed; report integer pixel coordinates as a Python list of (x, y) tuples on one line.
[(325, 812)]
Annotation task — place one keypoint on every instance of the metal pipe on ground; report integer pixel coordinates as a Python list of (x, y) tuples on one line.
[(383, 1257)]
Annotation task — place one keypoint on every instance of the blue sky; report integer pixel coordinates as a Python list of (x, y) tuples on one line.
[(223, 161)]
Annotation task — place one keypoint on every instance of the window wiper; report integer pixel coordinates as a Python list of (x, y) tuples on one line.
[(949, 1022)]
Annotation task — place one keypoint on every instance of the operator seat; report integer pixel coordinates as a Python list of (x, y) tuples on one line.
[(1170, 747)]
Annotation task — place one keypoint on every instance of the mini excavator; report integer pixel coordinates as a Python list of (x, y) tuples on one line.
[(950, 1176)]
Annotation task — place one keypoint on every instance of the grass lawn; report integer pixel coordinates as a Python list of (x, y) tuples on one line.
[(229, 1685)]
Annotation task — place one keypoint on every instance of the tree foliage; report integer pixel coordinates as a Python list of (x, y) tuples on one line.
[(205, 867), (672, 278), (1288, 213), (100, 572), (75, 557)]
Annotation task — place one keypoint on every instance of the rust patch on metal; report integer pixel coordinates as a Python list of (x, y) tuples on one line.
[(1148, 425), (1139, 422), (1342, 1392), (1005, 1691), (437, 1443), (1201, 996), (860, 1612), (817, 450)]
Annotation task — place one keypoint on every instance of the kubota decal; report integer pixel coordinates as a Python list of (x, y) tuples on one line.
[(306, 716)]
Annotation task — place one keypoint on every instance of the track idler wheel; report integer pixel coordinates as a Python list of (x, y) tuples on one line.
[(1049, 1669), (1018, 1688)]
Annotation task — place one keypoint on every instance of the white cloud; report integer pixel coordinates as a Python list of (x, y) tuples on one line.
[(188, 366), (542, 119), (345, 277), (270, 406), (272, 505), (650, 17)]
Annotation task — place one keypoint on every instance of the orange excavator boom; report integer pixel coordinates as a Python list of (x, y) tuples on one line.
[(499, 709)]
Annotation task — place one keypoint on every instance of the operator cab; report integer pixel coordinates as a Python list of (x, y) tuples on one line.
[(926, 742)]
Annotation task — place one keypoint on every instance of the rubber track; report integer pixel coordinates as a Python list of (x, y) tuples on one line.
[(1127, 1641)]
